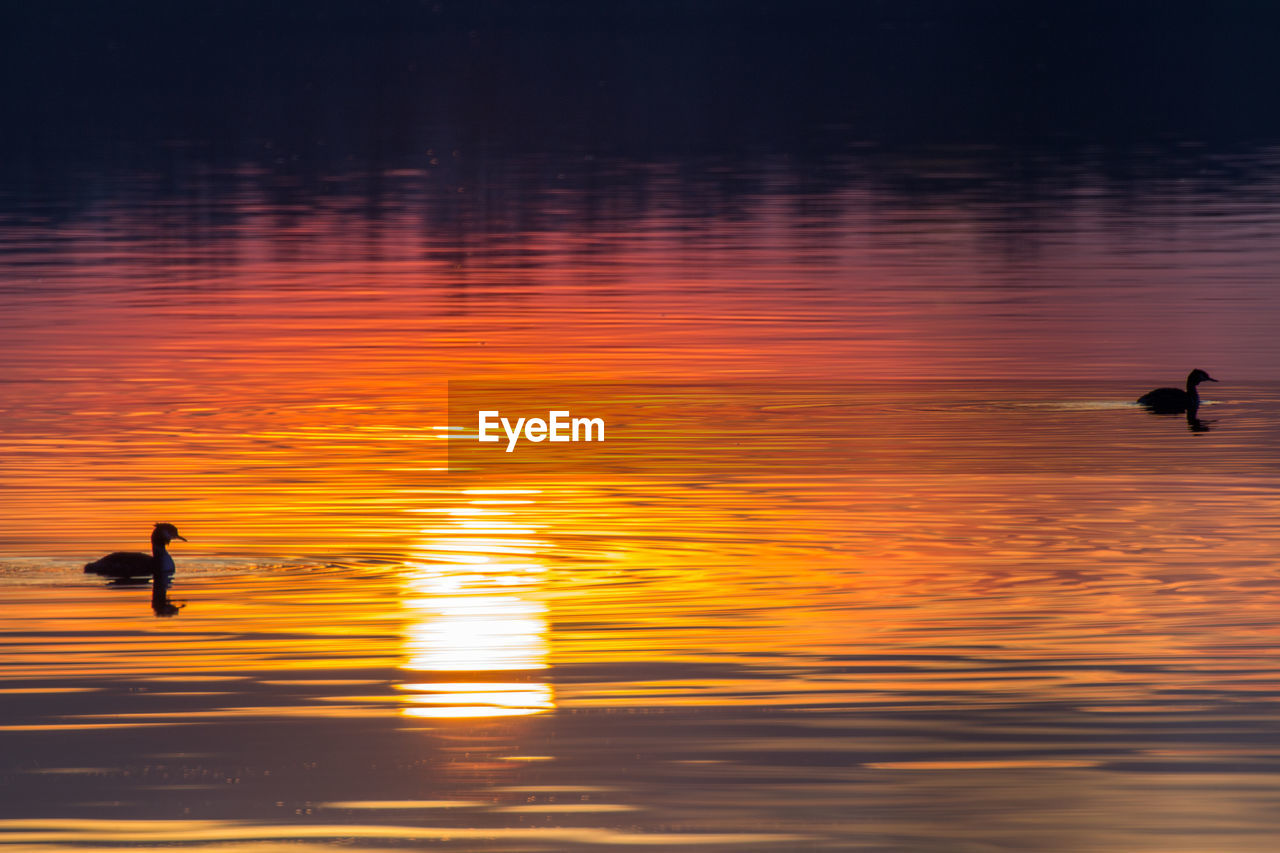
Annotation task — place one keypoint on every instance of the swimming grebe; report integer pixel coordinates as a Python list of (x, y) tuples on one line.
[(1174, 401), (135, 564)]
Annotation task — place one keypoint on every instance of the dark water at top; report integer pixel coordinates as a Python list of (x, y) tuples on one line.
[(890, 559)]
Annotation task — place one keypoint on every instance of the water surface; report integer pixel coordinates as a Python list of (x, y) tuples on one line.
[(914, 573)]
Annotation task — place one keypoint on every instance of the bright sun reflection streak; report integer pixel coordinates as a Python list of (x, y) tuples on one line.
[(470, 611)]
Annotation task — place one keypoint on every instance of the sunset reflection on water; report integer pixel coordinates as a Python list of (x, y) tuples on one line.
[(890, 546), (473, 612)]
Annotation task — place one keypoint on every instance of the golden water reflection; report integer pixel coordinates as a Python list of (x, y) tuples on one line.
[(472, 611)]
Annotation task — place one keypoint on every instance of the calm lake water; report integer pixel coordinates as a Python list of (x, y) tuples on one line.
[(905, 569)]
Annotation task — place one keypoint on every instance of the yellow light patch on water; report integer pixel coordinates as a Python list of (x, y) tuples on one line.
[(568, 808), (62, 727), (319, 682), (388, 805), (192, 677), (555, 789), (471, 711), (480, 619), (81, 832), (479, 633), (260, 711), (481, 699)]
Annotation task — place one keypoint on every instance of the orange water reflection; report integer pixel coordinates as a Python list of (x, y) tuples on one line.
[(471, 612), (285, 362), (1027, 558)]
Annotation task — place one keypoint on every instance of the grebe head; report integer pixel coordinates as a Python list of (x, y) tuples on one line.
[(165, 533), (1194, 378)]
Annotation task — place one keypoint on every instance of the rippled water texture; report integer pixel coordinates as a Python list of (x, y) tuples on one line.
[(911, 570)]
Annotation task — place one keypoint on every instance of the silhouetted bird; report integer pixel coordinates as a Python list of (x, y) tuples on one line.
[(135, 564), (1175, 401)]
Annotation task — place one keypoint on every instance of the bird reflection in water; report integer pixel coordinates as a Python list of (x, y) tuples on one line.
[(161, 604), (1196, 424)]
